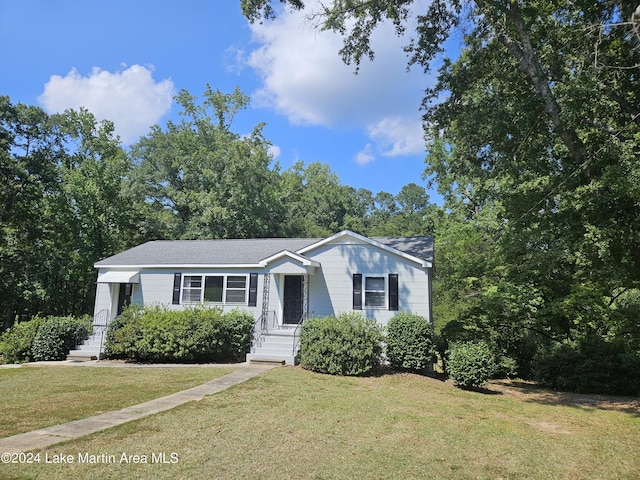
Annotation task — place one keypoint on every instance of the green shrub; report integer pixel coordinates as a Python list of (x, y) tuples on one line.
[(471, 364), (347, 344), (156, 334), (17, 342), (590, 365), (57, 335), (410, 342)]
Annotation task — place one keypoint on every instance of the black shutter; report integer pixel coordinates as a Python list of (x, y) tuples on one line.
[(177, 282), (393, 291), (253, 289), (357, 291)]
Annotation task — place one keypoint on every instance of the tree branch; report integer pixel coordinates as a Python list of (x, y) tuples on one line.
[(529, 64)]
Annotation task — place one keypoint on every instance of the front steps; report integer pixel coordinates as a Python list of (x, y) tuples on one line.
[(275, 347), (90, 348)]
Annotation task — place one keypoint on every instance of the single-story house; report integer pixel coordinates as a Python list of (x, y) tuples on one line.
[(281, 281)]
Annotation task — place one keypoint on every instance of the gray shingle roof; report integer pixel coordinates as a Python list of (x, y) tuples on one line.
[(240, 251)]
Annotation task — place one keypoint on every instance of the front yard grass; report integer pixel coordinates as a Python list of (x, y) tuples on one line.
[(38, 397), (291, 423)]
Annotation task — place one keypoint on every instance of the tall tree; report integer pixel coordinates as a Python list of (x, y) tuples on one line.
[(539, 116), (199, 179), (60, 188)]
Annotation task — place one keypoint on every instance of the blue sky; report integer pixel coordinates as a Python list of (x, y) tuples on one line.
[(124, 60)]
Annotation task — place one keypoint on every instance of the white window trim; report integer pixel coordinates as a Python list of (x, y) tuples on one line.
[(385, 278), (224, 288)]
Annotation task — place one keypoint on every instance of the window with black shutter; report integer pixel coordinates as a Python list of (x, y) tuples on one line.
[(177, 281), (393, 291), (253, 289), (357, 291)]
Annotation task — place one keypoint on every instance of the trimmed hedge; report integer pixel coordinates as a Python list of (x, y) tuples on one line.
[(16, 343), (347, 344), (410, 342), (156, 334), (590, 365), (43, 338), (57, 335), (471, 364)]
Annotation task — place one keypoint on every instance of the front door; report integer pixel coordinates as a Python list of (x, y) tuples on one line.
[(124, 296), (292, 299)]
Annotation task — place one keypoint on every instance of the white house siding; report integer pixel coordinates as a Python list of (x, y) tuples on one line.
[(331, 289), (156, 288), (103, 298), (330, 284)]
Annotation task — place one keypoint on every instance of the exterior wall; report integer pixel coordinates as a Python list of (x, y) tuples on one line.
[(330, 286), (331, 289), (104, 300), (156, 288)]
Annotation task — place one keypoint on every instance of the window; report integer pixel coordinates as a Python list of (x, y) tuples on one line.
[(374, 292), (213, 288), (236, 289), (191, 289), (231, 288)]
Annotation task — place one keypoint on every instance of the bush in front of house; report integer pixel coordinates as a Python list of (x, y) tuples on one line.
[(347, 344), (16, 342), (590, 365), (157, 334), (410, 342), (470, 364), (57, 335)]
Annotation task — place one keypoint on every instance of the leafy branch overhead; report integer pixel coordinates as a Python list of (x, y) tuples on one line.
[(533, 138)]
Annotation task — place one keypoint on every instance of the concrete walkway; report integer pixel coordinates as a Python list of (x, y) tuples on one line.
[(46, 437)]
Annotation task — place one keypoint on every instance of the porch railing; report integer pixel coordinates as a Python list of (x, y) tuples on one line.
[(100, 323), (296, 336), (264, 324)]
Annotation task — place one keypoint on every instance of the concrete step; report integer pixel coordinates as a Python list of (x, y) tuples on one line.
[(76, 357), (276, 344), (267, 358), (267, 361), (89, 349)]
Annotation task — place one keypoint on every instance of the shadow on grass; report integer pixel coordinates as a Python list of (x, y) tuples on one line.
[(533, 393), (385, 370), (482, 390)]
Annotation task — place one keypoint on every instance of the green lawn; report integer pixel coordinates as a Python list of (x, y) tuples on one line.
[(291, 423), (38, 397)]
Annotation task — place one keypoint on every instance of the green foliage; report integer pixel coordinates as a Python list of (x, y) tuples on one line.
[(156, 334), (347, 344), (62, 208), (16, 343), (590, 365), (410, 342), (57, 335), (471, 364)]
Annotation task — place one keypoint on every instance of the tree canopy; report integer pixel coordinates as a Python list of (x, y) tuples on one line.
[(533, 137)]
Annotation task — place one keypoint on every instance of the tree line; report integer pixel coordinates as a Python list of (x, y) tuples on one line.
[(533, 137), (72, 195)]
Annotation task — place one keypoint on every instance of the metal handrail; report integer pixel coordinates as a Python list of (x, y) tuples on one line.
[(262, 327), (296, 339), (101, 320)]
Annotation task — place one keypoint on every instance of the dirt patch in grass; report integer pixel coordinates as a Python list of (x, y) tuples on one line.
[(531, 392)]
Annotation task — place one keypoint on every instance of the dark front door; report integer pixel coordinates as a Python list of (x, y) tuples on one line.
[(292, 299), (124, 296)]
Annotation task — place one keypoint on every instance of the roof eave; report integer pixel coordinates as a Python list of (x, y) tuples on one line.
[(180, 265)]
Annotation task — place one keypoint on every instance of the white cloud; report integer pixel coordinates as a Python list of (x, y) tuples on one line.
[(304, 78), (131, 99), (275, 151), (365, 155), (398, 136)]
